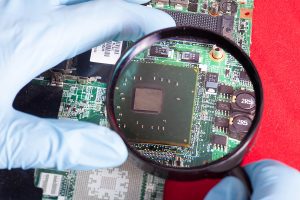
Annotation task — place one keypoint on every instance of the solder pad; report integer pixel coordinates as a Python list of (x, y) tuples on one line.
[(173, 88)]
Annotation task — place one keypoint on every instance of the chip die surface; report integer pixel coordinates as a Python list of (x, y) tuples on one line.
[(154, 103), (148, 100)]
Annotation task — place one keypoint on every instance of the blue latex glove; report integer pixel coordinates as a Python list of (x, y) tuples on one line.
[(271, 180), (37, 35)]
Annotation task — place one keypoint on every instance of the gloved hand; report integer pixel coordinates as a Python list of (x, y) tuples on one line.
[(37, 35), (271, 180)]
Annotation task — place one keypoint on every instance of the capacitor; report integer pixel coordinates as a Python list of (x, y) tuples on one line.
[(214, 9)]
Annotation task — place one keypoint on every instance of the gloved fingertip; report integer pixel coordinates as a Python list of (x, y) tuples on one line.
[(138, 1), (229, 188)]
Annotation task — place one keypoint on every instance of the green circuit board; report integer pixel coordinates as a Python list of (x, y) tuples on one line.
[(83, 99), (84, 102), (242, 23)]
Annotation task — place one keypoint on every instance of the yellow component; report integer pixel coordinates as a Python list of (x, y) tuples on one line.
[(246, 13)]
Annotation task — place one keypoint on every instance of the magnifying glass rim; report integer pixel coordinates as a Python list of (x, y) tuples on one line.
[(212, 38)]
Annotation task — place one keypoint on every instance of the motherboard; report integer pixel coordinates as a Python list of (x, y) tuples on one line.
[(76, 89)]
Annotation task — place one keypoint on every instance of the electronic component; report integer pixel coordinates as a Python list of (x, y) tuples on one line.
[(228, 6), (159, 51), (217, 54), (127, 182), (211, 84), (161, 2), (173, 101), (244, 101), (239, 125), (183, 3), (220, 140), (246, 13), (148, 100), (220, 24), (224, 106), (193, 7), (221, 122), (214, 9), (225, 89), (190, 57), (227, 72), (227, 26), (244, 76)]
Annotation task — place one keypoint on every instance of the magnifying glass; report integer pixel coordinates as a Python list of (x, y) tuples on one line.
[(187, 102)]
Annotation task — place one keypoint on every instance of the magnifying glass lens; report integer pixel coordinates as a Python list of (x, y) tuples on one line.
[(184, 102)]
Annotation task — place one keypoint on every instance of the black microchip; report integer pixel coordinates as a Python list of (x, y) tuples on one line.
[(219, 140), (221, 122), (39, 100), (227, 26), (159, 51), (193, 7), (223, 106), (190, 57), (147, 112), (148, 100), (212, 77), (197, 20), (211, 82), (225, 89), (244, 76)]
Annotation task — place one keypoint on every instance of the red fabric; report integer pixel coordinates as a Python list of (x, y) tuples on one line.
[(276, 52)]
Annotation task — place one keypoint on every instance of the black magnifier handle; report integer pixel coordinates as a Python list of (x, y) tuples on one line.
[(241, 174)]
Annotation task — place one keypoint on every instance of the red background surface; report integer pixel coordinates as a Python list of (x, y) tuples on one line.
[(276, 52)]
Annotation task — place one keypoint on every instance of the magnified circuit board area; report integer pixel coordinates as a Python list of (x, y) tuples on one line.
[(201, 104)]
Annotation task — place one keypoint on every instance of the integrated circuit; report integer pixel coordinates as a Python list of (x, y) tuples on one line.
[(167, 119), (159, 51), (193, 7), (225, 89), (244, 76), (190, 57), (211, 84), (221, 122), (219, 140), (148, 100), (224, 106)]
